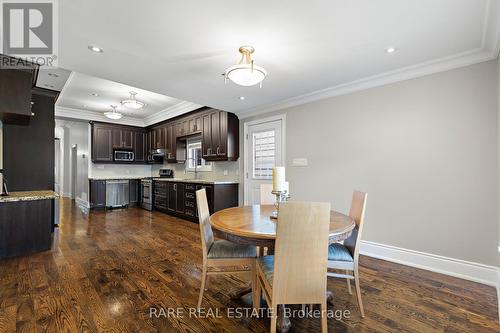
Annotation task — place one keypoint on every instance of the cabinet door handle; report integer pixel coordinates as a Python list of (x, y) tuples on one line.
[(217, 150), (175, 187)]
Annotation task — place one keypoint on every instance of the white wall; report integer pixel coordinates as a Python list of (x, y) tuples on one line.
[(74, 133), (425, 150)]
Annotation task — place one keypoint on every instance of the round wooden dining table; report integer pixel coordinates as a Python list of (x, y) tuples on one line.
[(254, 225)]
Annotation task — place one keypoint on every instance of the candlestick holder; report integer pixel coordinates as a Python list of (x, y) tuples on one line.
[(281, 196)]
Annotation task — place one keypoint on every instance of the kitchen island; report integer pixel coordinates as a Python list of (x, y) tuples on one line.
[(26, 222)]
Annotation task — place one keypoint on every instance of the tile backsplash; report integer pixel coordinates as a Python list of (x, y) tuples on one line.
[(218, 171)]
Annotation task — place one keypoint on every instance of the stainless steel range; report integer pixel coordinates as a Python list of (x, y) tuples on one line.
[(147, 193)]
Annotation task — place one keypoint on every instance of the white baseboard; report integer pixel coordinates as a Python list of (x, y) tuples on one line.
[(82, 203), (498, 295), (467, 270)]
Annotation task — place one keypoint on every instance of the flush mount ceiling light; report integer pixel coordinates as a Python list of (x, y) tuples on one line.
[(132, 103), (246, 73), (95, 49), (391, 50), (115, 115)]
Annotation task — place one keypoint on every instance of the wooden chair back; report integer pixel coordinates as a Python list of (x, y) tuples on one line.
[(357, 212), (207, 236), (301, 253), (266, 197)]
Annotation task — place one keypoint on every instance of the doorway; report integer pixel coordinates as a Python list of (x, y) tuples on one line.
[(74, 170), (264, 148)]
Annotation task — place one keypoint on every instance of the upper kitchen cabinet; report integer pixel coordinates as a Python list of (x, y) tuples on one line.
[(195, 124), (102, 143), (171, 143), (15, 94), (139, 146), (106, 138), (158, 137), (220, 136), (123, 138)]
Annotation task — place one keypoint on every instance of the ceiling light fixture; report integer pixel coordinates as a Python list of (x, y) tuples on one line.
[(246, 73), (95, 49), (115, 115), (132, 102), (242, 98), (390, 50)]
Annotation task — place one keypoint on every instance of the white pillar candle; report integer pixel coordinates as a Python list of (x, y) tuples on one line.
[(278, 179)]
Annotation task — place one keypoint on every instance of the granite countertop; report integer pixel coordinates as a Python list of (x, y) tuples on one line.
[(197, 181), (116, 178), (28, 196)]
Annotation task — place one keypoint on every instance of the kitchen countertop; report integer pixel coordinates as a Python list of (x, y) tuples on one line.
[(28, 196), (197, 181), (116, 178)]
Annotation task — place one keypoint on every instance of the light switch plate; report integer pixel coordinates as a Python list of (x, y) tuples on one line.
[(300, 162)]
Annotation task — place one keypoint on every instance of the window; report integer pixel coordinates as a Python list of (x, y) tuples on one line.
[(264, 154), (193, 159)]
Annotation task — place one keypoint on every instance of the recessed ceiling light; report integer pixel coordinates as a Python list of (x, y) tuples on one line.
[(390, 50), (53, 75), (48, 85), (95, 49), (95, 94), (242, 98)]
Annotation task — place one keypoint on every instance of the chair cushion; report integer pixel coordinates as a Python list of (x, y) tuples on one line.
[(267, 265), (222, 249), (338, 252)]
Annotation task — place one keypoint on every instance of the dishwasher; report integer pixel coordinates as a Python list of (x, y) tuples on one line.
[(117, 193)]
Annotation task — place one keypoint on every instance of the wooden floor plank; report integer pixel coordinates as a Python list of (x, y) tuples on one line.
[(107, 269)]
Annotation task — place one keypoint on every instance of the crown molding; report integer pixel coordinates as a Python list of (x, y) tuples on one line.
[(63, 112), (171, 112), (489, 50), (402, 74)]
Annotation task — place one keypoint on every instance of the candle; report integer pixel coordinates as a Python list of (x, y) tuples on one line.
[(278, 179)]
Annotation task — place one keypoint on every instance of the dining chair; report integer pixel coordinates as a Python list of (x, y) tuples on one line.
[(346, 256), (221, 254), (266, 197), (296, 273)]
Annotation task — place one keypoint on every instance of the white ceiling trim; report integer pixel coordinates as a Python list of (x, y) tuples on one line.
[(62, 112), (171, 112), (489, 50), (402, 74)]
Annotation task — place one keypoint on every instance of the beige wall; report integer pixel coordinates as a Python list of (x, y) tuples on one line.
[(425, 150)]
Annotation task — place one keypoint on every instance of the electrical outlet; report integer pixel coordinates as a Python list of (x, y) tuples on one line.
[(300, 162)]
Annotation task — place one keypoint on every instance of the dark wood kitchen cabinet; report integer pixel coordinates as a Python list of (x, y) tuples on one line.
[(176, 198), (123, 138), (139, 146), (220, 138), (179, 198), (134, 192), (170, 144), (15, 92), (218, 130), (97, 193), (102, 146)]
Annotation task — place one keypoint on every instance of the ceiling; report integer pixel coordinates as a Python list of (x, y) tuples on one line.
[(311, 49), (79, 91)]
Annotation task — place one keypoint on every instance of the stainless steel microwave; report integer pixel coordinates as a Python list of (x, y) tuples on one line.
[(124, 156)]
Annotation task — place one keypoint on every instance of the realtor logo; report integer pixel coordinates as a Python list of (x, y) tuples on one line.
[(28, 30)]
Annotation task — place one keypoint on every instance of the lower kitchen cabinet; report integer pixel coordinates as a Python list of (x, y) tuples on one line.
[(134, 192), (179, 198), (97, 193)]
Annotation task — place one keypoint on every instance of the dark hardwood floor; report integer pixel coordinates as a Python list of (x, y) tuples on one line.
[(106, 270)]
